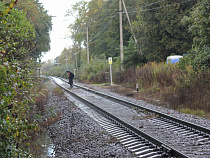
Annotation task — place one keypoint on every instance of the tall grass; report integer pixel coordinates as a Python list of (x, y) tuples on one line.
[(181, 88)]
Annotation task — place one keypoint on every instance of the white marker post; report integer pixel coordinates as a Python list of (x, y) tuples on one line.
[(137, 87), (75, 73), (110, 63)]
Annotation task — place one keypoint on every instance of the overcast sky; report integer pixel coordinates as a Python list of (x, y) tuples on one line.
[(59, 29)]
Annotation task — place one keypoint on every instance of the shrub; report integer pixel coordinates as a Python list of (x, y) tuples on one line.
[(95, 71), (178, 87), (16, 124), (17, 81)]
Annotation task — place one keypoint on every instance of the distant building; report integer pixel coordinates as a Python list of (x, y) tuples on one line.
[(173, 59)]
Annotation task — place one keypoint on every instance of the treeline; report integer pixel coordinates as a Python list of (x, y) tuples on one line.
[(24, 32), (161, 28)]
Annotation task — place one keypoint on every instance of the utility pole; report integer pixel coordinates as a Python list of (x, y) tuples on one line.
[(129, 22), (66, 62), (121, 34), (76, 58), (87, 48)]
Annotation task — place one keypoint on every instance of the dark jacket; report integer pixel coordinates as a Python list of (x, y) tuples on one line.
[(71, 76)]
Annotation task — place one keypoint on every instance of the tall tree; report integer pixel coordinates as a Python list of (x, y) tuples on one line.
[(101, 18), (17, 42), (39, 17), (160, 30), (199, 24)]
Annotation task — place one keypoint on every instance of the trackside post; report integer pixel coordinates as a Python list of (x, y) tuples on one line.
[(110, 63)]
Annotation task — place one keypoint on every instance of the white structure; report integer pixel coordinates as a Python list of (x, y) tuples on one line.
[(173, 59)]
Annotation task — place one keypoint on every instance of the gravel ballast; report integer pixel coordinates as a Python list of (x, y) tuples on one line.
[(76, 135), (187, 117)]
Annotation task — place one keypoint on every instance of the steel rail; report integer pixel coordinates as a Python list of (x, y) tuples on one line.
[(177, 120), (139, 133)]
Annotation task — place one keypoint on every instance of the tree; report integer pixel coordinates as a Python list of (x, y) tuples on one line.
[(42, 22), (16, 42), (199, 24), (132, 56), (101, 18), (160, 31), (16, 85)]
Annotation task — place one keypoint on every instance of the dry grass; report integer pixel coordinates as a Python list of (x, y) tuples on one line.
[(168, 86), (58, 91), (50, 120), (165, 85)]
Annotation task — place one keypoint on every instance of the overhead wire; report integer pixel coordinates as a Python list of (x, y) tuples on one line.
[(102, 29), (130, 11), (109, 16), (146, 5), (104, 4), (158, 7), (99, 32), (101, 18)]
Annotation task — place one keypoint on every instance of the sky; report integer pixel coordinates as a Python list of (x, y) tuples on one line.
[(59, 29)]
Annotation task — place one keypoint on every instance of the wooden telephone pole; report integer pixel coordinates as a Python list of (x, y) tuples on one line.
[(121, 34), (129, 22), (87, 47)]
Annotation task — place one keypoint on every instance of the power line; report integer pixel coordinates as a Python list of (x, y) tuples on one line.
[(104, 4), (146, 5), (139, 11), (135, 12), (111, 15), (99, 32), (159, 7)]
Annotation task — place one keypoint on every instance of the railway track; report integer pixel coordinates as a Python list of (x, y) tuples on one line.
[(146, 134)]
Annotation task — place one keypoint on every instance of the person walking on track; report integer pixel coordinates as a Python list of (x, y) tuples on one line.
[(71, 76)]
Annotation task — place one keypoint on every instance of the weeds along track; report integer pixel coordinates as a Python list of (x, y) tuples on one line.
[(145, 132)]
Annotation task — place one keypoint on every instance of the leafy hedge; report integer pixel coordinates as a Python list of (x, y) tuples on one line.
[(16, 80), (15, 97)]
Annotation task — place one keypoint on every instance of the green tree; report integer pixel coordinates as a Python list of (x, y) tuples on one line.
[(38, 16), (199, 24), (15, 41), (160, 31), (102, 20), (132, 56), (16, 83)]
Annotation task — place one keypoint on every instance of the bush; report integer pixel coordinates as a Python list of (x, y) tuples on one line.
[(16, 124), (17, 81), (95, 71), (187, 87)]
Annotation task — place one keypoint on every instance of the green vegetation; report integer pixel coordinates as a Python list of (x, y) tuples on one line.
[(198, 21), (58, 91), (162, 28), (42, 24), (18, 66), (182, 89), (200, 113), (157, 26)]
